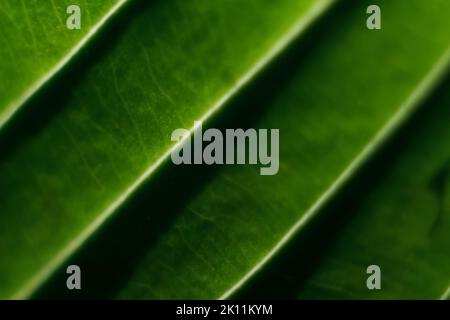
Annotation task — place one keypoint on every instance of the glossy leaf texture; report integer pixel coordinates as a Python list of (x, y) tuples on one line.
[(239, 220), (101, 130), (36, 44), (334, 107), (337, 93)]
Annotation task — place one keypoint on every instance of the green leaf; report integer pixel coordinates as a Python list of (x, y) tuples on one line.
[(37, 44), (395, 216), (95, 136), (197, 234), (347, 102), (401, 224)]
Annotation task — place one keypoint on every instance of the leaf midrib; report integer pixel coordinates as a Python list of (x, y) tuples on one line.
[(298, 28), (27, 94)]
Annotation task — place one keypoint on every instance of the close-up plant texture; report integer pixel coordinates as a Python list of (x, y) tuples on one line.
[(86, 176)]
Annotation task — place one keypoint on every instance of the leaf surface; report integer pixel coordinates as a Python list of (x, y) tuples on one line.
[(348, 102), (401, 224), (102, 130), (37, 44), (393, 215), (335, 104)]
